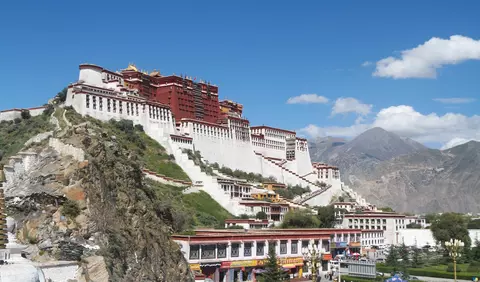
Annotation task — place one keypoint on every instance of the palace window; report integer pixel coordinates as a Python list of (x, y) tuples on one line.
[(221, 251), (108, 105), (208, 251), (283, 247), (120, 107), (88, 101), (260, 248), (136, 109), (294, 247), (247, 249), (114, 106), (100, 103), (94, 100), (235, 250), (194, 251), (128, 108)]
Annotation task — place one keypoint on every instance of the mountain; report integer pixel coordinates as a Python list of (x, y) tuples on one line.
[(392, 171), (78, 194), (324, 144)]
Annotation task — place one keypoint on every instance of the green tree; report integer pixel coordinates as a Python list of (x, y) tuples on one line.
[(416, 257), (431, 217), (475, 253), (414, 225), (62, 95), (451, 226), (261, 215), (273, 271), (392, 258), (25, 114), (244, 216), (403, 252), (326, 215), (300, 219)]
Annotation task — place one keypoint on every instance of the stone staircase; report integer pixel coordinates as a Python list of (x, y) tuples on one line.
[(300, 179), (200, 179), (307, 196)]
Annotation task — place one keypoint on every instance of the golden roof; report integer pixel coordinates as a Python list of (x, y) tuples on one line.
[(131, 67), (155, 73)]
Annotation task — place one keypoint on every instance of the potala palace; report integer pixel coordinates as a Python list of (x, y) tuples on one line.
[(181, 113)]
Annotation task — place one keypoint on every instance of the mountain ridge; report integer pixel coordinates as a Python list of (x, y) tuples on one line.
[(389, 170)]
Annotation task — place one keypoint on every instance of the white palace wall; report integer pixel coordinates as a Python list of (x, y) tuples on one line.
[(17, 113), (100, 94)]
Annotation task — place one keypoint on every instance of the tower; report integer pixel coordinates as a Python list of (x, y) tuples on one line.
[(3, 215)]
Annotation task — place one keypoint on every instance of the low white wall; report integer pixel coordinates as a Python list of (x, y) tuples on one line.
[(422, 237), (67, 149), (17, 113), (60, 273)]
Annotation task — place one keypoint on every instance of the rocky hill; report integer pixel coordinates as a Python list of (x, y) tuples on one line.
[(83, 197), (403, 174)]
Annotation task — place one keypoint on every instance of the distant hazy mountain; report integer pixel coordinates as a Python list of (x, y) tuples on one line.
[(405, 175)]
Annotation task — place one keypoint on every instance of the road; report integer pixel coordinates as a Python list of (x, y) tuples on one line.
[(433, 279)]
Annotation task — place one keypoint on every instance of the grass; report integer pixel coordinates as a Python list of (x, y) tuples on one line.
[(202, 210), (439, 271), (14, 134)]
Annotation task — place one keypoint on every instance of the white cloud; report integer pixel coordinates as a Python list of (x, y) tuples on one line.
[(424, 60), (454, 100), (366, 64), (455, 142), (308, 99), (350, 105), (407, 122)]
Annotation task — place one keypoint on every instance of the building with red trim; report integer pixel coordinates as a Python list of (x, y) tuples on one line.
[(226, 255)]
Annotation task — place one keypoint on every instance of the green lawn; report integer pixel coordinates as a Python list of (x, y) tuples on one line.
[(203, 211), (439, 271)]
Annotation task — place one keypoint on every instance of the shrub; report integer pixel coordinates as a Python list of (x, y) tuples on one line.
[(48, 110), (139, 127), (474, 267), (450, 268), (70, 209), (26, 114)]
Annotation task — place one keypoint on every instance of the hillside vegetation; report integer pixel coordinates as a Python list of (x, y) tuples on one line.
[(13, 134), (150, 153), (193, 210)]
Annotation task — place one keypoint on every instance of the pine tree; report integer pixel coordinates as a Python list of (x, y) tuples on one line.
[(273, 271), (392, 258), (416, 257)]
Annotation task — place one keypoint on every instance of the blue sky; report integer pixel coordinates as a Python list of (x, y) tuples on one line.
[(261, 53)]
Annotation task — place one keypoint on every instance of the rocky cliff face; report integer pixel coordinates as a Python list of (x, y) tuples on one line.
[(401, 173), (99, 211)]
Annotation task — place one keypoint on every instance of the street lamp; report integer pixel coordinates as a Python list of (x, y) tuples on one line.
[(312, 256), (454, 248)]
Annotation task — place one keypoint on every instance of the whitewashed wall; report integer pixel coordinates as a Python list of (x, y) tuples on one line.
[(422, 237)]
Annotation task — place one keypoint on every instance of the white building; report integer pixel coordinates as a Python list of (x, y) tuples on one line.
[(249, 223), (390, 223), (416, 220), (371, 238)]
